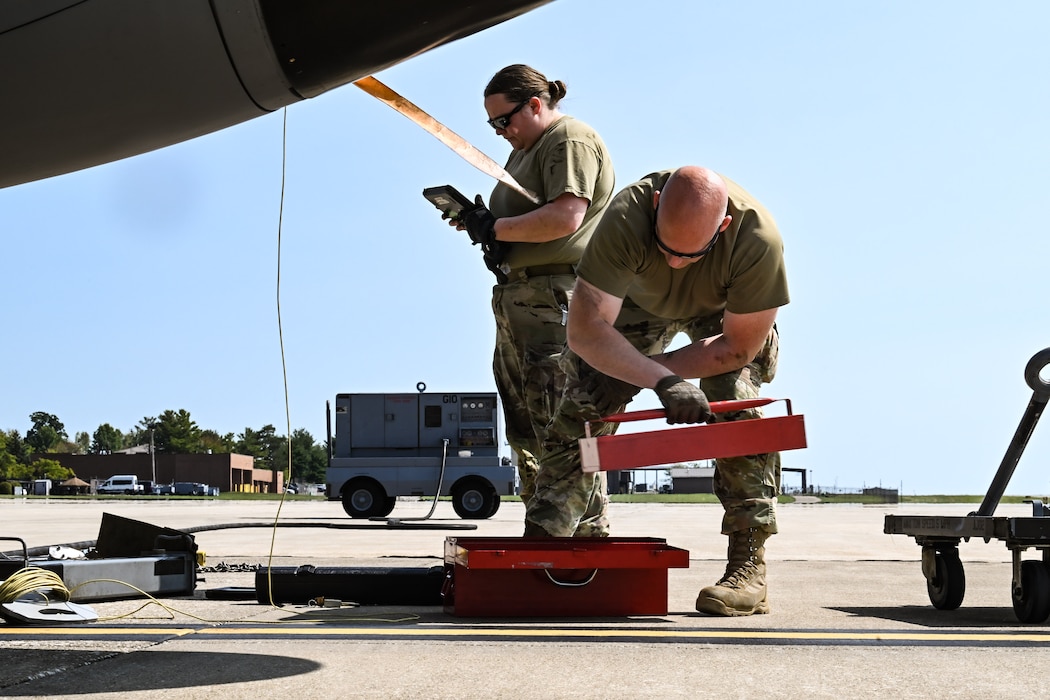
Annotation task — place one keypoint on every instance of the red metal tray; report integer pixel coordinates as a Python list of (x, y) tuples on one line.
[(731, 439), (558, 576)]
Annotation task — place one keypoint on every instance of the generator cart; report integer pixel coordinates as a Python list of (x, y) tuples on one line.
[(423, 444)]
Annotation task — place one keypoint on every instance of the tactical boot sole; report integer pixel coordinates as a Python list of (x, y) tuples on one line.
[(714, 606)]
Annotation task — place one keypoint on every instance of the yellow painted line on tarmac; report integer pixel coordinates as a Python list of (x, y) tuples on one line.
[(85, 631), (639, 634)]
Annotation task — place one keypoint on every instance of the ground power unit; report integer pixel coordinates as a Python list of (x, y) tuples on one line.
[(422, 444)]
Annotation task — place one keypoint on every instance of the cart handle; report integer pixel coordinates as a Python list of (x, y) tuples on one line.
[(1040, 387), (25, 550), (716, 407)]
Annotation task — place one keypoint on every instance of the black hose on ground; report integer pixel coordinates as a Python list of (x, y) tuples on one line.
[(393, 525)]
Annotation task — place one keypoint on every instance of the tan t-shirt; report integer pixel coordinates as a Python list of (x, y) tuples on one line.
[(568, 157), (743, 274)]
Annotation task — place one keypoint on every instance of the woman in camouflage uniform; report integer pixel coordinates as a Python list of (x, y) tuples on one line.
[(533, 248)]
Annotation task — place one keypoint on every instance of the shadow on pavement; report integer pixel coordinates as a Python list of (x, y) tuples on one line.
[(154, 670), (931, 617)]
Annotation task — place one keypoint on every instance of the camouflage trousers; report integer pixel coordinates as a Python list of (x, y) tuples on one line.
[(530, 335), (570, 503)]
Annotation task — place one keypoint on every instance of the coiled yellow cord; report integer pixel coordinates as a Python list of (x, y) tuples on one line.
[(33, 580)]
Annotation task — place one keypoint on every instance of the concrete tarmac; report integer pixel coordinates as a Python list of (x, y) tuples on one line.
[(850, 615)]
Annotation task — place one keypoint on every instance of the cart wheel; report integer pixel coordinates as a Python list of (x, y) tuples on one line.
[(948, 584), (365, 498), (1032, 601), (473, 499)]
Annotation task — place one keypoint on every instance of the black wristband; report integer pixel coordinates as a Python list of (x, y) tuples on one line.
[(667, 383)]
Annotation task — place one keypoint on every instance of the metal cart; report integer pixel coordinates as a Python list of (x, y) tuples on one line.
[(939, 536)]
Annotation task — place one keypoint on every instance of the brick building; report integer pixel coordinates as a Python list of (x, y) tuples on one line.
[(229, 472)]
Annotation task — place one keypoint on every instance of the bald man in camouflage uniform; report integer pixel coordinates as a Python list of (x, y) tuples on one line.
[(635, 291)]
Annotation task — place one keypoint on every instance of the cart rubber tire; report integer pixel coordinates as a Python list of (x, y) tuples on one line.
[(366, 498), (391, 501), (495, 506), (475, 499), (948, 586), (1033, 603)]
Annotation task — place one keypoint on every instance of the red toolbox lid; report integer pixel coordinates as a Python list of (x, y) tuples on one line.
[(564, 553)]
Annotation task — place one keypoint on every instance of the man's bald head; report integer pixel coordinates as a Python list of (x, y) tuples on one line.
[(692, 208)]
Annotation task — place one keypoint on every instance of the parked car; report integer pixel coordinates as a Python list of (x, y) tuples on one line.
[(152, 488), (190, 488), (121, 483)]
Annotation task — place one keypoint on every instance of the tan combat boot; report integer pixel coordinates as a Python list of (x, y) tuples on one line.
[(742, 590)]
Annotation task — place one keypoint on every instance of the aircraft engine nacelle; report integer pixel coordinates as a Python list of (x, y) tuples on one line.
[(92, 81)]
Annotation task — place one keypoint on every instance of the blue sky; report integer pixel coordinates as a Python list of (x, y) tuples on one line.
[(901, 146)]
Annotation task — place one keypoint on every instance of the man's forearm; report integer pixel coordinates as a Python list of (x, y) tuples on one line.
[(604, 348), (708, 357)]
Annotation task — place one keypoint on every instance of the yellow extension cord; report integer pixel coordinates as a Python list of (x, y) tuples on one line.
[(33, 580)]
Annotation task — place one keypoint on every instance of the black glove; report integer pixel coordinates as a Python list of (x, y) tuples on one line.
[(480, 224), (684, 402), (481, 227), (607, 393)]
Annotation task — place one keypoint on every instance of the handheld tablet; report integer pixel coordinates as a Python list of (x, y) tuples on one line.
[(449, 200)]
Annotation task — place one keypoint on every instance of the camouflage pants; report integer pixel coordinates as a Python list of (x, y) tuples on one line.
[(530, 335), (569, 503)]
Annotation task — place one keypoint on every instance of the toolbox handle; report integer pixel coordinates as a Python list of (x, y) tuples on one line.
[(716, 407), (570, 584)]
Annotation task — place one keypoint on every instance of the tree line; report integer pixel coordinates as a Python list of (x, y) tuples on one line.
[(172, 432)]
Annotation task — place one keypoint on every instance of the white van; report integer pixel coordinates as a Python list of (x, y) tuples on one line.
[(121, 483)]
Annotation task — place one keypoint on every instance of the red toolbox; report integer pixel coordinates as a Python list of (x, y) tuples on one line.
[(558, 576)]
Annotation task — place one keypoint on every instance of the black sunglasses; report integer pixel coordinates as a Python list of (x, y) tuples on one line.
[(699, 254), (503, 120)]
